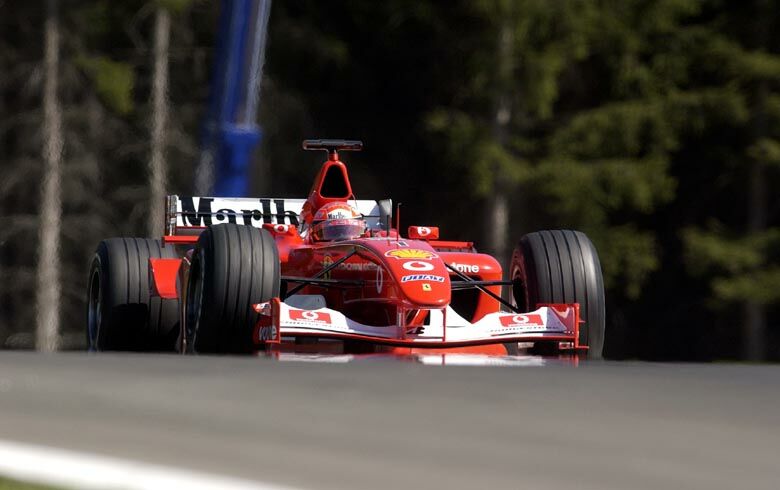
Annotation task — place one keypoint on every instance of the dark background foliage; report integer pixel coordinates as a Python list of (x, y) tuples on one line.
[(653, 126)]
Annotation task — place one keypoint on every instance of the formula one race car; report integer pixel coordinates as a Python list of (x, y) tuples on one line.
[(330, 274)]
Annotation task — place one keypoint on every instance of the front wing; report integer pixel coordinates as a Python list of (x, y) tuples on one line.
[(444, 328)]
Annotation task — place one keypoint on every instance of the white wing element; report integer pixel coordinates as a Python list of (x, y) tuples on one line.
[(444, 328), (203, 211), (434, 359)]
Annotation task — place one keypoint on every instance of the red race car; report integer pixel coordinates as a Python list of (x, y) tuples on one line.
[(331, 274)]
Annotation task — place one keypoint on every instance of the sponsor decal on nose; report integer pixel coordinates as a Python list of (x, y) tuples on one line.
[(422, 277), (380, 279), (465, 268), (417, 266), (411, 253)]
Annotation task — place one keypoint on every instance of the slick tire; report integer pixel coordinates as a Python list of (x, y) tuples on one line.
[(562, 266), (232, 268), (121, 314)]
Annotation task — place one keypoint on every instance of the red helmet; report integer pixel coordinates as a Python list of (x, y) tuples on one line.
[(337, 221)]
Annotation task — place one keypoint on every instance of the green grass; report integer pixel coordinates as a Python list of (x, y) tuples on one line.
[(6, 484)]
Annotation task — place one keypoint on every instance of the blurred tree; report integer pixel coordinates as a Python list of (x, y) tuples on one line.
[(587, 133), (48, 287), (509, 85), (157, 167), (654, 126), (104, 87), (736, 248)]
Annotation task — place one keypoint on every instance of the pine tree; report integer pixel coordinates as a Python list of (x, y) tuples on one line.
[(735, 247)]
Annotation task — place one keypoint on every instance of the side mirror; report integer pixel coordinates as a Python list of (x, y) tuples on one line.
[(424, 232), (385, 213)]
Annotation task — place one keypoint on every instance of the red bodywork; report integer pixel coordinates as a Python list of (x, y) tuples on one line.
[(400, 279)]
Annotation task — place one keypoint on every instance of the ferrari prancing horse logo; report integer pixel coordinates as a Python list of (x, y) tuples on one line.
[(326, 262)]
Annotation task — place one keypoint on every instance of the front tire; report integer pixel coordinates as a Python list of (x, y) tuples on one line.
[(562, 266), (121, 314), (232, 268)]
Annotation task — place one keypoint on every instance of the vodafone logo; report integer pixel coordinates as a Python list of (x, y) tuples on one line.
[(309, 316), (268, 333), (466, 268), (281, 228), (533, 320), (423, 231), (417, 266)]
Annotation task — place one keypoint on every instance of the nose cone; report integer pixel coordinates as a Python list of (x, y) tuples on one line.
[(421, 275)]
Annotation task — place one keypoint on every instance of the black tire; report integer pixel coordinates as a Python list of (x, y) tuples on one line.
[(121, 314), (562, 266), (233, 267)]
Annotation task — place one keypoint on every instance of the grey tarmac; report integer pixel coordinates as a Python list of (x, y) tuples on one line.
[(390, 424)]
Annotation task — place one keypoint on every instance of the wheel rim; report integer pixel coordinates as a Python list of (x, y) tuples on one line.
[(94, 310)]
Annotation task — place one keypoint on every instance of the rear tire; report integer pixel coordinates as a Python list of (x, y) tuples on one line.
[(232, 268), (121, 314), (562, 266)]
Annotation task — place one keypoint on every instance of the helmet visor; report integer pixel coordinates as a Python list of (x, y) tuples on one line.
[(340, 229)]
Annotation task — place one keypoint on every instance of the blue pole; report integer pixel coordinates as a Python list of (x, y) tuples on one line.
[(231, 131)]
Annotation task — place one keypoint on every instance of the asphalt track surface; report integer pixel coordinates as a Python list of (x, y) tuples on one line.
[(405, 425)]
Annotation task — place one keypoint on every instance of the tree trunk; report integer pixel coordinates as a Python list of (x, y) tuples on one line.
[(754, 330), (497, 205), (754, 333), (157, 167), (48, 277), (204, 174)]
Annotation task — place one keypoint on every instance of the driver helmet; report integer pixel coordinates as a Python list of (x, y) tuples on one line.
[(337, 221)]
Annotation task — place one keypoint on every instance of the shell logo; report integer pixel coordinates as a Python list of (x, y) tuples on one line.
[(410, 253)]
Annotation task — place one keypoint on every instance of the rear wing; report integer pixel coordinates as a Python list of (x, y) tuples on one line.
[(183, 214)]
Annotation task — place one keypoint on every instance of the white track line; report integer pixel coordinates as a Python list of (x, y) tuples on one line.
[(70, 469)]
